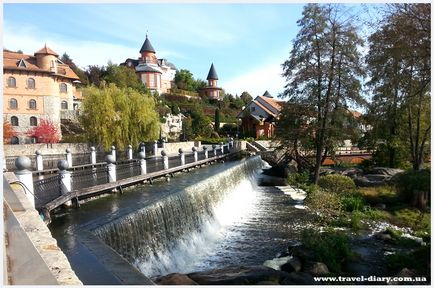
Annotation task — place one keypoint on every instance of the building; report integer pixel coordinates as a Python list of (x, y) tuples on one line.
[(212, 91), (36, 87), (259, 116), (156, 74)]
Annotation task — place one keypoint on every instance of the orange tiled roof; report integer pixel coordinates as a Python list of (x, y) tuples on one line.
[(11, 60), (46, 50), (264, 108), (272, 102)]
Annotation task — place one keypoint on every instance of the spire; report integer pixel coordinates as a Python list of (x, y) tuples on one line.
[(46, 51), (267, 94), (147, 46), (212, 74)]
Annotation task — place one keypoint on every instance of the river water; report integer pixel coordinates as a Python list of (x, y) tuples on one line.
[(209, 218)]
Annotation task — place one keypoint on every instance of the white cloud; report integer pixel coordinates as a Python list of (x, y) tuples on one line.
[(83, 53), (257, 81)]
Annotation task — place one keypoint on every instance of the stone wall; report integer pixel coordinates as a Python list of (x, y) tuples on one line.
[(58, 148)]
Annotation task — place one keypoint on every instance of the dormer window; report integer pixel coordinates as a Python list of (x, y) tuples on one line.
[(22, 63)]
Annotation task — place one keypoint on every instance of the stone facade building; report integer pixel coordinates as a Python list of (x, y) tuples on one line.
[(36, 87), (156, 74)]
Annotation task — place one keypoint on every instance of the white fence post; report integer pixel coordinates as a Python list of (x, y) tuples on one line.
[(92, 155), (194, 149), (69, 157), (214, 148), (222, 147), (142, 157), (165, 160), (155, 148), (205, 149), (65, 179), (24, 175), (114, 153), (130, 152), (111, 168), (39, 161), (182, 156)]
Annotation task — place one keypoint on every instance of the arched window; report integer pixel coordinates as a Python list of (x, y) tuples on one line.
[(15, 140), (14, 121), (64, 105), (63, 88), (33, 121), (12, 82), (32, 104), (30, 83), (13, 103)]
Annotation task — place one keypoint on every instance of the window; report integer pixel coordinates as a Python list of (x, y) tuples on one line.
[(12, 82), (32, 104), (63, 88), (33, 121), (30, 83), (14, 140), (64, 105), (13, 103), (14, 121), (253, 108), (152, 80)]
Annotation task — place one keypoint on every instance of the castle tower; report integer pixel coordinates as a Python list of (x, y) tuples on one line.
[(148, 53), (212, 91), (46, 59)]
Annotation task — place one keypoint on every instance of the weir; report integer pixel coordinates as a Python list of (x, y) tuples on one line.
[(212, 217), (164, 236)]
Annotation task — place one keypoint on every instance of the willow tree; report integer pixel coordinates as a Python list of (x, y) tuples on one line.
[(323, 73), (399, 64), (119, 116)]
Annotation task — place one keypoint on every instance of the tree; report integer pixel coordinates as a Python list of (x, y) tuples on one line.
[(80, 73), (399, 64), (95, 74), (8, 131), (45, 132), (217, 120), (184, 80), (119, 116), (123, 77), (323, 72), (199, 84), (246, 97)]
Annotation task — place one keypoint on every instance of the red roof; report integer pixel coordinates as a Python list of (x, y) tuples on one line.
[(11, 60), (47, 51)]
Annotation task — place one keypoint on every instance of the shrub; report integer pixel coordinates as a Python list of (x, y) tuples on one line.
[(367, 165), (356, 220), (353, 202), (298, 178), (410, 181), (326, 203), (414, 219), (337, 183), (332, 248)]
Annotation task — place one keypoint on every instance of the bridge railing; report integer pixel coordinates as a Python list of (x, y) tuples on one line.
[(47, 188)]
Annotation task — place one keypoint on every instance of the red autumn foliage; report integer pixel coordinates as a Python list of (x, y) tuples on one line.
[(45, 132), (8, 132)]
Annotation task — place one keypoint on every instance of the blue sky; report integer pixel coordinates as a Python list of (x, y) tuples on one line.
[(246, 42)]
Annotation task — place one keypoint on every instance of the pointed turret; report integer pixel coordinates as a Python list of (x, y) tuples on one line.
[(267, 94), (212, 74), (147, 46), (46, 59)]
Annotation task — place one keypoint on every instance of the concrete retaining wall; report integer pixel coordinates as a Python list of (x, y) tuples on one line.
[(32, 254)]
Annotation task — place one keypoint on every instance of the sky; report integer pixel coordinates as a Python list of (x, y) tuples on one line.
[(246, 42)]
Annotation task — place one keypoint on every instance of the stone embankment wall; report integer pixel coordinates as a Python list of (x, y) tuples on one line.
[(31, 254), (58, 148)]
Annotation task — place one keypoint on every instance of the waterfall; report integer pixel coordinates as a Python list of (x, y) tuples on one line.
[(170, 235)]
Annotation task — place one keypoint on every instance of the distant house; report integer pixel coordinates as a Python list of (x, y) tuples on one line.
[(260, 115), (156, 74), (37, 87)]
